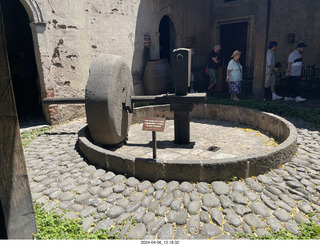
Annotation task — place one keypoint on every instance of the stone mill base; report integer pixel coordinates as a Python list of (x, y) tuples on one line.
[(226, 142)]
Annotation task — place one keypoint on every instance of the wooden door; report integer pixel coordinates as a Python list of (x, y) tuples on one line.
[(233, 37)]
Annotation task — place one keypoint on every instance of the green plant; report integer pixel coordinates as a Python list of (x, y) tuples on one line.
[(30, 135), (233, 178), (309, 115), (51, 226), (310, 231)]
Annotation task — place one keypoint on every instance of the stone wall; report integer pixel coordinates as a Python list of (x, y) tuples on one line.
[(286, 16), (302, 18), (68, 35)]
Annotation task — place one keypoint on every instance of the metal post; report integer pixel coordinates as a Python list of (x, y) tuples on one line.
[(75, 100), (182, 127), (154, 140), (182, 118)]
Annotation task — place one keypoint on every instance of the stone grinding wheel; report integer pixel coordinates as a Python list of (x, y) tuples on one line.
[(109, 84)]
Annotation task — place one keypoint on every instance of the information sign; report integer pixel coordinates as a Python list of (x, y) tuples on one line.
[(154, 124)]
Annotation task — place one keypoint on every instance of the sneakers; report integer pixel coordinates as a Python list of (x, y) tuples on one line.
[(299, 99), (192, 91), (289, 99), (276, 97)]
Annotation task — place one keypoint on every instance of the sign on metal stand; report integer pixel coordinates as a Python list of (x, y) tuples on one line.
[(154, 125)]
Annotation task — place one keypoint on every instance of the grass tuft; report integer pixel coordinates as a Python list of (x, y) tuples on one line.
[(30, 135), (51, 226), (309, 115), (310, 231)]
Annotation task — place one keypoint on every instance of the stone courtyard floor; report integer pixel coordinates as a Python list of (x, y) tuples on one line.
[(226, 139), (280, 199)]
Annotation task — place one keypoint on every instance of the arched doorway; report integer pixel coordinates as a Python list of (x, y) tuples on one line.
[(22, 60), (167, 37)]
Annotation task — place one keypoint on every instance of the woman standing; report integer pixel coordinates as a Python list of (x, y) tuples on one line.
[(234, 75)]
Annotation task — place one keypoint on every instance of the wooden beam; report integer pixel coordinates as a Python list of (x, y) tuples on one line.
[(261, 38), (17, 220)]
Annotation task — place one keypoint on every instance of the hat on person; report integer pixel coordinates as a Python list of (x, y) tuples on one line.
[(301, 45), (235, 53), (273, 44)]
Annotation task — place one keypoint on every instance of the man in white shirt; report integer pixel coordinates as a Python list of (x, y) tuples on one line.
[(271, 70), (294, 71)]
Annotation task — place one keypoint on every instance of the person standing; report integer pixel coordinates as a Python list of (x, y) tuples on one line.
[(271, 70), (213, 65), (234, 75), (294, 71)]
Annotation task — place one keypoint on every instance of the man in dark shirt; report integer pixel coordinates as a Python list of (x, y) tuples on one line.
[(213, 64)]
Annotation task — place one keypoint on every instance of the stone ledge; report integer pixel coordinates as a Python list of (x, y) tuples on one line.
[(208, 170)]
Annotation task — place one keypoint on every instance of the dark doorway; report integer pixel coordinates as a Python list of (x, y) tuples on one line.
[(233, 37), (21, 59), (167, 38)]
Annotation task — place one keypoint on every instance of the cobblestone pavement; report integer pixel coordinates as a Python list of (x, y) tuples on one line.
[(280, 199)]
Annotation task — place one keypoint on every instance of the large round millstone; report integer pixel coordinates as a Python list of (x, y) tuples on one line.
[(109, 84)]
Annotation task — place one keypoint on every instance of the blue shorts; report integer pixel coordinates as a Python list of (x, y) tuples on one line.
[(213, 75)]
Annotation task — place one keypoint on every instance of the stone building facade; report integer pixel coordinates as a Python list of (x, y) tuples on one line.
[(289, 22), (68, 34)]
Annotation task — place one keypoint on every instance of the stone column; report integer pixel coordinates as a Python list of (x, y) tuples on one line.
[(43, 61), (260, 40)]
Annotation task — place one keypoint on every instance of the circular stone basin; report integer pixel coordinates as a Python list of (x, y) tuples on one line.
[(226, 142), (210, 139)]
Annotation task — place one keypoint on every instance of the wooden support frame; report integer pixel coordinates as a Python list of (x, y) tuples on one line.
[(17, 219)]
